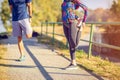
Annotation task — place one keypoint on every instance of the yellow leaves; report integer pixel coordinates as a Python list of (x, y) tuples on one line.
[(46, 10)]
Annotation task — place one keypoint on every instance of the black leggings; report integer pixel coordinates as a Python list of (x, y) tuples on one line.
[(73, 37)]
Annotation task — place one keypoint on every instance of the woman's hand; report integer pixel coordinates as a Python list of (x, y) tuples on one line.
[(81, 27), (83, 24), (79, 22)]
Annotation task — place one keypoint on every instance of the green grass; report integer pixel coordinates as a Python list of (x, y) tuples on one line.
[(94, 64), (99, 66), (2, 50), (48, 40), (3, 70)]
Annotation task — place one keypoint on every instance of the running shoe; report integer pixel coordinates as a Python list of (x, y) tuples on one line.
[(22, 58), (71, 66)]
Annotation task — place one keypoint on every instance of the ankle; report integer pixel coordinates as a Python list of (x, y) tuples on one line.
[(74, 62)]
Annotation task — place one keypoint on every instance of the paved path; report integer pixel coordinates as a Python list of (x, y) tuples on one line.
[(40, 64)]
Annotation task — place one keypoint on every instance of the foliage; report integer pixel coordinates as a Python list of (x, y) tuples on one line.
[(116, 10), (43, 10), (107, 15), (46, 10), (5, 13), (99, 15)]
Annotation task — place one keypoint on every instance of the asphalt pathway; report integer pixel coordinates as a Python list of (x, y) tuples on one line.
[(41, 63)]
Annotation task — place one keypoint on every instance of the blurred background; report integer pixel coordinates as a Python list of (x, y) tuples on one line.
[(98, 11), (44, 10)]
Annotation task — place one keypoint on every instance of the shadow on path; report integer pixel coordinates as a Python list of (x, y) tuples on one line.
[(89, 71), (18, 66), (40, 67)]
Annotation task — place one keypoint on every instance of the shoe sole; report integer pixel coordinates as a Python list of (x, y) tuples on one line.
[(71, 68)]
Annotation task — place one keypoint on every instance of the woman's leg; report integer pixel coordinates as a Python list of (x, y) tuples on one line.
[(72, 39), (78, 37), (66, 28), (72, 55), (73, 35), (70, 32), (66, 31)]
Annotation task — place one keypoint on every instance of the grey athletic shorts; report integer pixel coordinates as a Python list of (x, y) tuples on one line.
[(21, 26)]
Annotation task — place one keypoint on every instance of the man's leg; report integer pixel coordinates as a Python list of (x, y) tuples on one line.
[(26, 27), (28, 35), (17, 32), (21, 46)]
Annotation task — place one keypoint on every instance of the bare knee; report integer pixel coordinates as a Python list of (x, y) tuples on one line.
[(29, 36), (19, 38)]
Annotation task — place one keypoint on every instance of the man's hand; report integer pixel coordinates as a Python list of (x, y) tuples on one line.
[(30, 20), (11, 8), (29, 5)]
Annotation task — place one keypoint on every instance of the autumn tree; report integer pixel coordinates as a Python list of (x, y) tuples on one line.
[(116, 10), (99, 15), (5, 13), (43, 10), (46, 10)]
